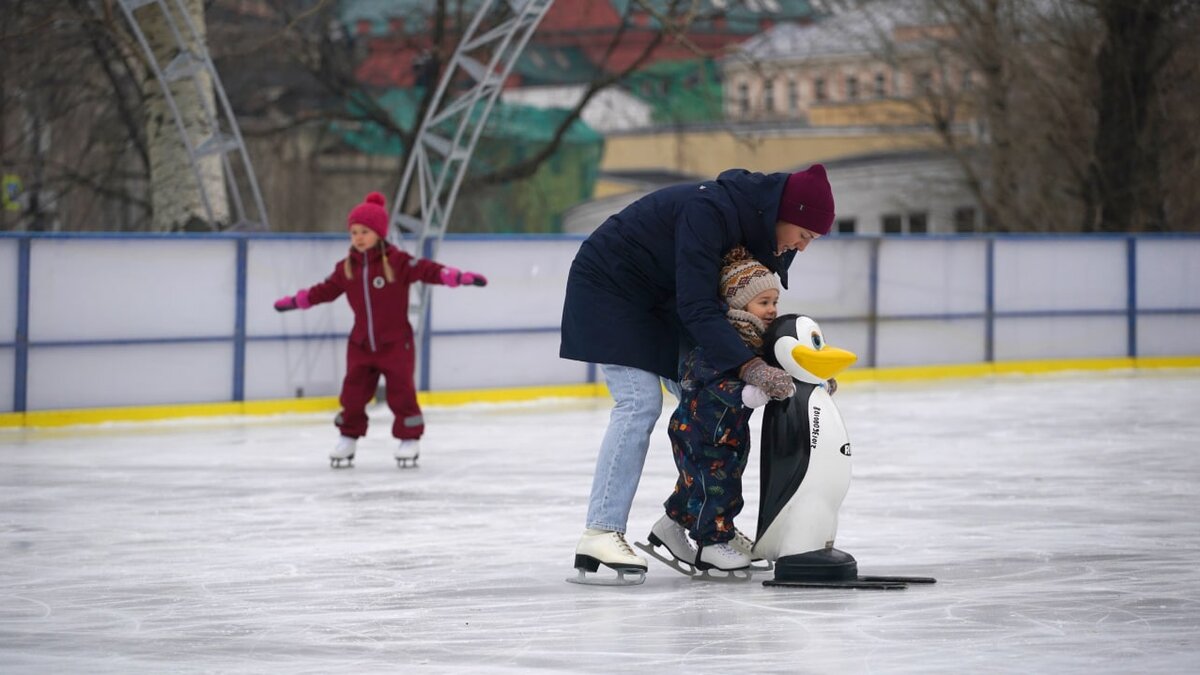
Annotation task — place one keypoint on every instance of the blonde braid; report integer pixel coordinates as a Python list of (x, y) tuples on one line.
[(387, 266)]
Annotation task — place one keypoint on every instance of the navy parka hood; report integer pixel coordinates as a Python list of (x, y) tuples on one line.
[(645, 285), (756, 197)]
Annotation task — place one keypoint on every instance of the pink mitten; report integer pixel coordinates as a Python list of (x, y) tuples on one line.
[(290, 302), (452, 276)]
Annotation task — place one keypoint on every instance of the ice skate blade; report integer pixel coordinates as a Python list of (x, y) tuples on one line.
[(672, 562), (582, 578), (859, 584), (403, 463), (336, 462), (761, 565), (725, 576)]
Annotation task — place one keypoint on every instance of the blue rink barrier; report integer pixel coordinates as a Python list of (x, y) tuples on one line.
[(894, 298)]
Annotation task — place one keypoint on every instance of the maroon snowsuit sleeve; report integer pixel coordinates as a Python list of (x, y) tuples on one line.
[(331, 288)]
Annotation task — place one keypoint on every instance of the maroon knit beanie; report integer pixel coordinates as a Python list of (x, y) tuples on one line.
[(807, 200), (371, 215)]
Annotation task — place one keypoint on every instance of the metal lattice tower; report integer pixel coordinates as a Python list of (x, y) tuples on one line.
[(446, 139), (190, 60)]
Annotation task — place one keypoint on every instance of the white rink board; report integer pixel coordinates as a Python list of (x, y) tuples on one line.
[(911, 343), (527, 281), (276, 268), (8, 292), (1020, 339), (1168, 335), (106, 289), (278, 369), (8, 366), (503, 360), (1060, 274), (830, 279), (931, 278), (127, 375), (1168, 274)]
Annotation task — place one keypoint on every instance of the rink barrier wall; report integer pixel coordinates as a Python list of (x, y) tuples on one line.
[(62, 418), (147, 326)]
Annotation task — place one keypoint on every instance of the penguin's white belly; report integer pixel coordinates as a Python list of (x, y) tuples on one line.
[(809, 519)]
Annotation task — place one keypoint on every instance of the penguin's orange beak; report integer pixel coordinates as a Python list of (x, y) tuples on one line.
[(824, 363)]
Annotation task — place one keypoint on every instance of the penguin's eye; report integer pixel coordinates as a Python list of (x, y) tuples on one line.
[(818, 342)]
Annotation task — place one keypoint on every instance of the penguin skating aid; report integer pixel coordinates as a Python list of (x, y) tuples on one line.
[(806, 467)]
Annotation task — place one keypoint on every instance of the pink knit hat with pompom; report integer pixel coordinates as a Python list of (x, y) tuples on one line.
[(371, 215)]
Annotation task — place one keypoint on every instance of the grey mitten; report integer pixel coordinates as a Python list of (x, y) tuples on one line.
[(774, 381)]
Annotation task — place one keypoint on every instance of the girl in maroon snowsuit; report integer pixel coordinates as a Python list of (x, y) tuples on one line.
[(375, 277)]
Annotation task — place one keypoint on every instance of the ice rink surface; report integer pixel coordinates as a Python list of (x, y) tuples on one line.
[(1059, 514)]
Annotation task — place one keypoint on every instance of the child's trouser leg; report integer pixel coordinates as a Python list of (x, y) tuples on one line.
[(677, 505), (397, 362), (718, 490), (358, 387)]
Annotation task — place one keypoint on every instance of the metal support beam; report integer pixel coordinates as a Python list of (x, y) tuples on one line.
[(191, 62), (446, 139)]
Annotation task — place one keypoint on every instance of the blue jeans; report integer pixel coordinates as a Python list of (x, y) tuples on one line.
[(638, 401)]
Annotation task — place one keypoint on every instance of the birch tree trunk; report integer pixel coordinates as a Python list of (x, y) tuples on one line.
[(177, 199)]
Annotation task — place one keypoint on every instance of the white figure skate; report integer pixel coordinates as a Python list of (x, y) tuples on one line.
[(723, 562), (671, 535), (746, 545), (600, 547), (407, 452), (343, 452)]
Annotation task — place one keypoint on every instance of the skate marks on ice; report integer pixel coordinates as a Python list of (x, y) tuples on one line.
[(1060, 545)]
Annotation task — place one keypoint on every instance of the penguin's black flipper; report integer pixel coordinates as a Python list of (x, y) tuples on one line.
[(784, 453)]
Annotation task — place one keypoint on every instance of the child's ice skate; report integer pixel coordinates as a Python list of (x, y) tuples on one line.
[(343, 452), (746, 545), (722, 562), (601, 547), (407, 452), (671, 535)]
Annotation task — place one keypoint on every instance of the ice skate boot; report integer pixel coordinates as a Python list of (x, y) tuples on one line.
[(674, 538), (723, 562), (602, 547), (343, 452), (407, 452), (746, 545)]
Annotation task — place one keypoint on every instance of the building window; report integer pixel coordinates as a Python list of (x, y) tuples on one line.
[(893, 223), (880, 85), (743, 98), (965, 220), (769, 96), (819, 89), (851, 88), (918, 222), (793, 95), (845, 226)]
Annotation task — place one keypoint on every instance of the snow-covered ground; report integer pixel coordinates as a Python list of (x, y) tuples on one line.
[(1058, 514)]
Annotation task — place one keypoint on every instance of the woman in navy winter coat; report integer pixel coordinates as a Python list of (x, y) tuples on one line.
[(643, 289)]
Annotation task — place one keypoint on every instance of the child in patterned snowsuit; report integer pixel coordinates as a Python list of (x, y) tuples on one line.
[(710, 430)]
